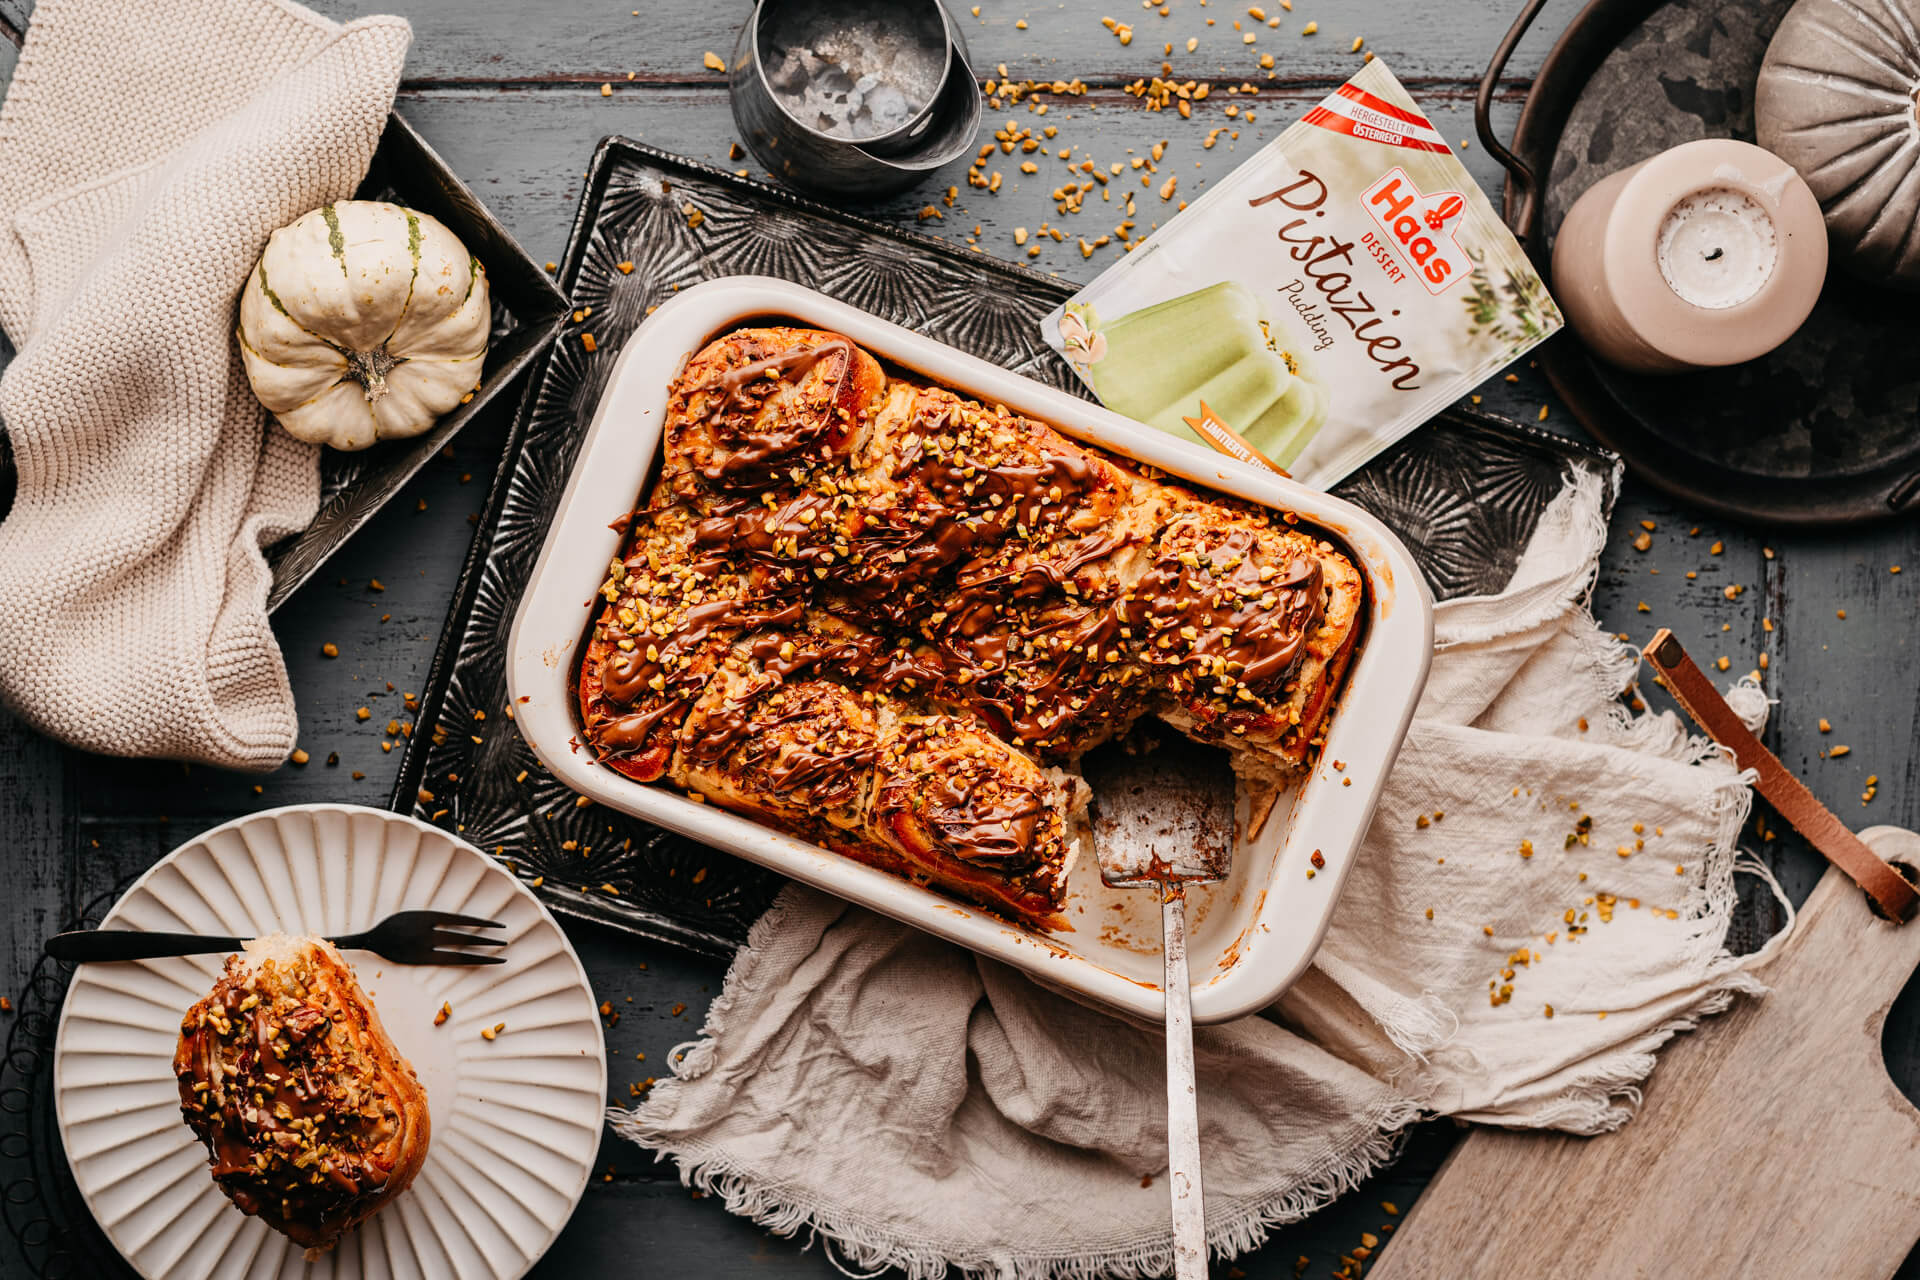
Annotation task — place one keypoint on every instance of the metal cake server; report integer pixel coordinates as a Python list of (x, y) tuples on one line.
[(1164, 819)]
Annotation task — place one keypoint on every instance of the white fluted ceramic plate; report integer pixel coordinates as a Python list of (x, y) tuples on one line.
[(516, 1120)]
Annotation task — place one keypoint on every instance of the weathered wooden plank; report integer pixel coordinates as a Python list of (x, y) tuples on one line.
[(33, 798), (679, 1235), (469, 41), (525, 154), (1859, 675), (464, 40), (1848, 672), (1856, 673)]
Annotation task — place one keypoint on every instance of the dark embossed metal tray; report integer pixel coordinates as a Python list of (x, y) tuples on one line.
[(1464, 494), (528, 309), (1818, 432)]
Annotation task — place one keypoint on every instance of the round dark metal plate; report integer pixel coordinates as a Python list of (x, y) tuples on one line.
[(1826, 429)]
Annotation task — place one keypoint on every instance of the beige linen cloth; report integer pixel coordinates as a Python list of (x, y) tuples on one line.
[(923, 1108), (146, 152)]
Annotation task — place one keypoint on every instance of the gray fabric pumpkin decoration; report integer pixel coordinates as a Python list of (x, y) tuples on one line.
[(1836, 101)]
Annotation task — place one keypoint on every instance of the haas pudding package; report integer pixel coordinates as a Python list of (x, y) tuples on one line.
[(1330, 295)]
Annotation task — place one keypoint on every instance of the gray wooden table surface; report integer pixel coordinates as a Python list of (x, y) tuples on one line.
[(510, 92)]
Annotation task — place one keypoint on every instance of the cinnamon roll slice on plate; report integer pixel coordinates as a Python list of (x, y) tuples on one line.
[(311, 1118)]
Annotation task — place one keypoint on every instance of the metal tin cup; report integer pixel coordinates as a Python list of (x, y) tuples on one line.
[(854, 97)]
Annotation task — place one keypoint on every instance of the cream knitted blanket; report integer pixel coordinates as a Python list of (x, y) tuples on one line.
[(145, 155), (923, 1108)]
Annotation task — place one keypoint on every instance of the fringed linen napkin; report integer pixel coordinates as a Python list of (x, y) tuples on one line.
[(145, 156), (926, 1109)]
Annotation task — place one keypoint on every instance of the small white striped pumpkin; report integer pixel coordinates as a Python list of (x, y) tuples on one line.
[(363, 321)]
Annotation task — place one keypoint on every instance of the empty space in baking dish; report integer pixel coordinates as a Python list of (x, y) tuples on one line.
[(1250, 935)]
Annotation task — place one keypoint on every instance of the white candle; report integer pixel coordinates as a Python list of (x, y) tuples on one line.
[(1717, 248), (1705, 255)]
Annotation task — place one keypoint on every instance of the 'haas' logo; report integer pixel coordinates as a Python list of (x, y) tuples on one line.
[(1420, 227)]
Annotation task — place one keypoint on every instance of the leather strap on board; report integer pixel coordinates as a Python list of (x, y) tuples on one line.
[(1786, 793)]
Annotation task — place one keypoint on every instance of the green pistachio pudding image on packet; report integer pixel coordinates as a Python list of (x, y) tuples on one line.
[(1330, 295)]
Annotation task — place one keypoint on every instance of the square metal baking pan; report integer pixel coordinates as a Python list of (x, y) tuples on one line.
[(1251, 935)]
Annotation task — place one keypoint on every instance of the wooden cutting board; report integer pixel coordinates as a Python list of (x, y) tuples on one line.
[(1772, 1144)]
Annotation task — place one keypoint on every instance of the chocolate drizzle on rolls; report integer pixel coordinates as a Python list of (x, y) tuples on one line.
[(973, 807), (874, 613), (764, 402), (1220, 608)]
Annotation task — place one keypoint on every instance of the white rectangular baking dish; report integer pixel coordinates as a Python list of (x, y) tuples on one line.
[(1249, 936)]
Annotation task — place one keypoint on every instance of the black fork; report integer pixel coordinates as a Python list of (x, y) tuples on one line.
[(405, 937)]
